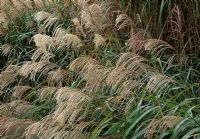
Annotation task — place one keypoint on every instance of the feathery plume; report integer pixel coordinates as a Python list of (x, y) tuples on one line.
[(78, 26), (134, 62), (156, 46), (94, 18), (73, 41), (42, 55), (8, 76), (20, 91), (137, 41), (119, 75), (95, 76), (13, 127), (62, 39), (70, 103), (4, 20), (39, 3), (31, 68), (99, 41), (57, 77), (47, 92), (78, 64), (159, 82), (123, 20), (42, 15), (51, 22), (19, 5), (6, 49), (161, 125), (42, 41)]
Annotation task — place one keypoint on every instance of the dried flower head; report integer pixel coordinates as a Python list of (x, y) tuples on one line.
[(42, 15), (99, 41), (31, 69), (94, 18), (6, 49), (20, 91), (78, 64), (57, 77), (158, 82), (123, 20), (162, 124), (42, 41)]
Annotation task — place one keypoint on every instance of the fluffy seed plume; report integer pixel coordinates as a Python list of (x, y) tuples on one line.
[(122, 21), (65, 40), (6, 49), (78, 26), (3, 22), (73, 41), (94, 18), (8, 76), (20, 91), (99, 41), (42, 55), (13, 127), (156, 46), (134, 62), (158, 82), (128, 58), (78, 64), (31, 69), (137, 41), (39, 4), (57, 77), (42, 15), (51, 22), (119, 75), (95, 76), (47, 92), (162, 124), (70, 104), (42, 41)]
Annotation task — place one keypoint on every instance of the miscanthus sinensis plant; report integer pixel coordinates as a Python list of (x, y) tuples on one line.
[(82, 69)]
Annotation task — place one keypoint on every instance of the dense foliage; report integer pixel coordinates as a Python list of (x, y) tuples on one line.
[(108, 69)]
